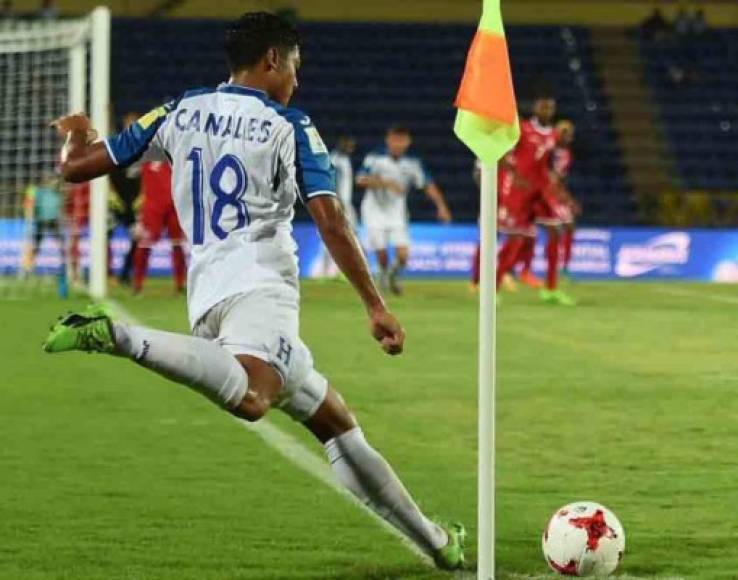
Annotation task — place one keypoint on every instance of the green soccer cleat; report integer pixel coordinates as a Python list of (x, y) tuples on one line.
[(451, 556), (90, 331), (98, 310), (558, 297)]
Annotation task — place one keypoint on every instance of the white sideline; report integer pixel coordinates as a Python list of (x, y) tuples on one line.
[(300, 455), (293, 450)]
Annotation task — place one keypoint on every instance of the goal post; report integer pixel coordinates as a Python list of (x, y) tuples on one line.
[(48, 69)]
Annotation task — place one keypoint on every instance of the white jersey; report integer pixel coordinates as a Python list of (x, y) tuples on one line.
[(344, 176), (239, 162), (383, 207), (344, 183)]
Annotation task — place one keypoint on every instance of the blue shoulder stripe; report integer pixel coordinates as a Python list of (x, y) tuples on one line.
[(130, 144), (315, 172), (197, 92)]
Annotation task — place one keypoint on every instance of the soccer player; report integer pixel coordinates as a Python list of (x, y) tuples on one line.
[(503, 189), (78, 218), (42, 209), (344, 172), (527, 173), (342, 165), (126, 183), (388, 175), (567, 207), (555, 211), (157, 213), (241, 157)]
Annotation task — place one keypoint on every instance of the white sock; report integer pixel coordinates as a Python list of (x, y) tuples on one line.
[(195, 362), (371, 479)]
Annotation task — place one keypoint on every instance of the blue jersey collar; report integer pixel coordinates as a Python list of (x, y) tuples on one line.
[(242, 90)]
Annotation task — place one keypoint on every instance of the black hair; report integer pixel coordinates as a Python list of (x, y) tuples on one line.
[(541, 90), (398, 129), (249, 38)]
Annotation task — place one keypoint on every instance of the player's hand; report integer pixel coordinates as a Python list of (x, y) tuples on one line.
[(77, 122), (444, 215), (387, 331)]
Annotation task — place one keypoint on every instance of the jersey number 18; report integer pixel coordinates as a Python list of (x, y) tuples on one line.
[(223, 199)]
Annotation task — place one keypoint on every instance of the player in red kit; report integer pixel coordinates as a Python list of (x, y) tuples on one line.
[(504, 183), (556, 210), (546, 204), (157, 213), (567, 206), (78, 216), (527, 170)]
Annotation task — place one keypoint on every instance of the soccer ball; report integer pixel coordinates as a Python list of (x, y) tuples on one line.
[(584, 539)]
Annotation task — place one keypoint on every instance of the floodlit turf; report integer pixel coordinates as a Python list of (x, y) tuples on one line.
[(107, 471)]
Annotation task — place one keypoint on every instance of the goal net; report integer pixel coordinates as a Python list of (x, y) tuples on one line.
[(52, 235)]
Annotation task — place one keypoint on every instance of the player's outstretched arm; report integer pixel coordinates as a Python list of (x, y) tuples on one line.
[(436, 195), (343, 246), (81, 159)]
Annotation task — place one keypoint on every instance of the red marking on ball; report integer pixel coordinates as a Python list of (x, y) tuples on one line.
[(596, 528), (569, 570)]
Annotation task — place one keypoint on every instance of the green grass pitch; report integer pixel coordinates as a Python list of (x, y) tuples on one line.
[(630, 399)]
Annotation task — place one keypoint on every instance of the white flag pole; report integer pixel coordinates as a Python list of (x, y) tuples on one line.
[(487, 374)]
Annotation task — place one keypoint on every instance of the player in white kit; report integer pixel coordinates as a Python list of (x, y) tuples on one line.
[(389, 175), (240, 160), (344, 174), (343, 166)]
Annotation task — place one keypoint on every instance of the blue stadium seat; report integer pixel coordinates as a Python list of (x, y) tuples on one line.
[(700, 113)]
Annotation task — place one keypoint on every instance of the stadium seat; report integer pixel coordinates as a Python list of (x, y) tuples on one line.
[(698, 113)]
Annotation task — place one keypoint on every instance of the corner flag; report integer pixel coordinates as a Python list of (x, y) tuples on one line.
[(487, 122)]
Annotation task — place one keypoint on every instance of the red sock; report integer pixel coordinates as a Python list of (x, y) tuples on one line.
[(566, 245), (140, 265), (552, 256), (475, 265), (526, 254), (508, 257), (179, 266)]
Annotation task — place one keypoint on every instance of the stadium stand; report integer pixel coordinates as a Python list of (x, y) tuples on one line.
[(695, 81), (353, 81)]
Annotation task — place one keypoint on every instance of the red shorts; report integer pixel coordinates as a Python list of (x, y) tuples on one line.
[(78, 207), (155, 217), (516, 213), (550, 211)]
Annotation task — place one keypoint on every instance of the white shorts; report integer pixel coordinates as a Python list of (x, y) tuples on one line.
[(264, 323), (383, 237)]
